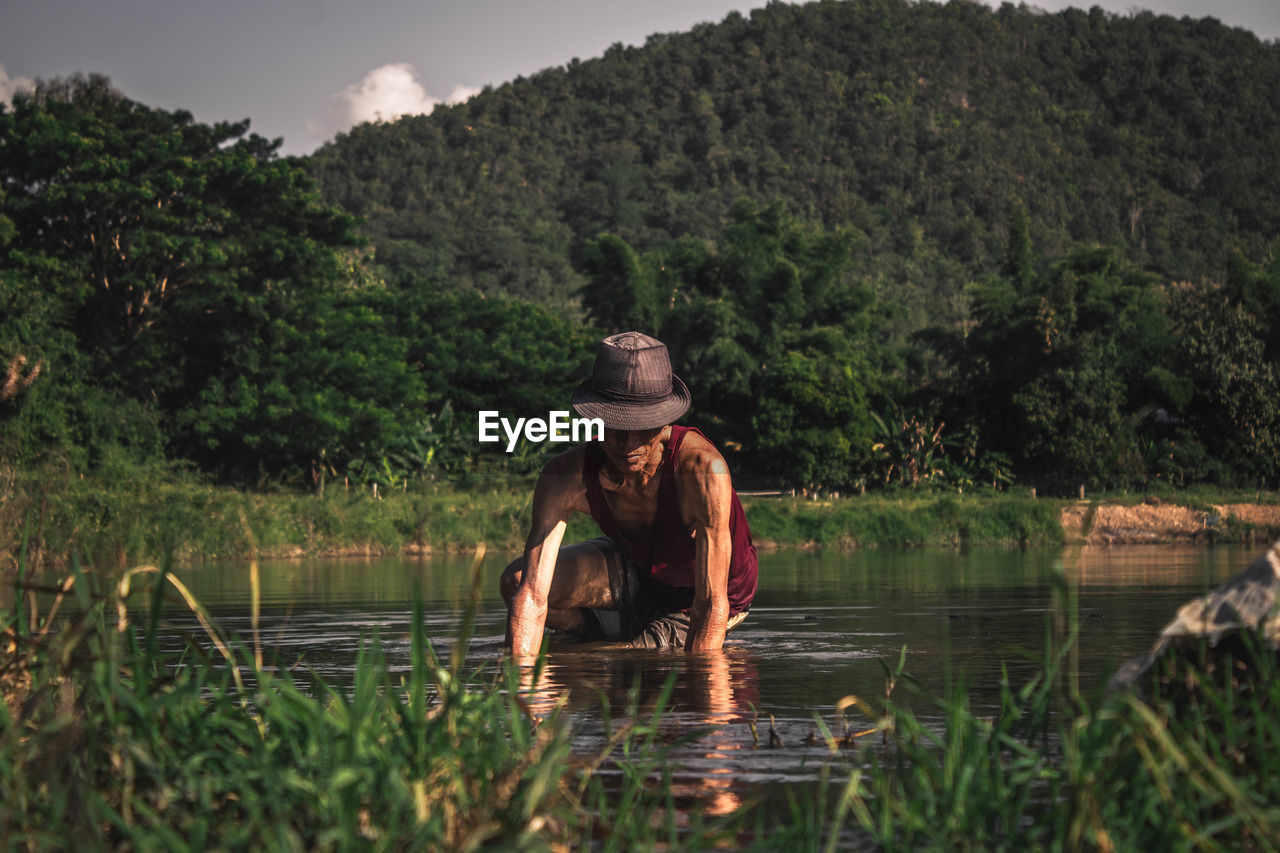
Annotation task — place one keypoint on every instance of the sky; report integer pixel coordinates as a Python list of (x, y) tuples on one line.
[(305, 70)]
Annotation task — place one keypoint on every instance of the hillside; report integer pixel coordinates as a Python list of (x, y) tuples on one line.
[(891, 246), (914, 125)]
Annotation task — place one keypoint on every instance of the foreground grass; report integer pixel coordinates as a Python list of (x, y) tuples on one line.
[(1194, 767), (106, 744)]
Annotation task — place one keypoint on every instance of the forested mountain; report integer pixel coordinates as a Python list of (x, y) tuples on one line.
[(889, 245), (912, 125)]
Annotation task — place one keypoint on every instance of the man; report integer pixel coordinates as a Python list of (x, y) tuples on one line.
[(676, 566)]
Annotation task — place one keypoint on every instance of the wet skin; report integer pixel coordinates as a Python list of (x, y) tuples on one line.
[(549, 583)]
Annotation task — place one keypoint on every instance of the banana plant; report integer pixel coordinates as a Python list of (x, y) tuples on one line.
[(910, 448)]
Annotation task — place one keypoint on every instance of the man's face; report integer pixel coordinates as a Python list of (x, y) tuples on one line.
[(633, 450)]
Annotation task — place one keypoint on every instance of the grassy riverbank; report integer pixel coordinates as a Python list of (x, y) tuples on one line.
[(105, 744), (905, 520), (132, 517)]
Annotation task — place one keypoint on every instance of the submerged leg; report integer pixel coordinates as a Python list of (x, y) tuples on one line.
[(581, 580)]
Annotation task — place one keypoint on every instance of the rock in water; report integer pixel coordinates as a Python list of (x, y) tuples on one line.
[(1246, 603)]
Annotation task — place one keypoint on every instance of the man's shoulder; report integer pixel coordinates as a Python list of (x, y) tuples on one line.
[(566, 468), (696, 447), (699, 460), (562, 484)]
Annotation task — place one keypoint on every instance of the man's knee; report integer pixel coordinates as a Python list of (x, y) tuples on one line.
[(510, 580)]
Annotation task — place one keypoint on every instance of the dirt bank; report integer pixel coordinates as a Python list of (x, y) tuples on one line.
[(1147, 523)]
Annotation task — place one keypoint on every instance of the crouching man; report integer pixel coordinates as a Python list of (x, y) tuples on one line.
[(676, 566)]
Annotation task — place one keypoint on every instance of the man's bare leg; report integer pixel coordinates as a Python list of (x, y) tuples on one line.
[(581, 580)]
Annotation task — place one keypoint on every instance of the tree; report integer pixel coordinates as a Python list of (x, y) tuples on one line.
[(16, 374), (1063, 367), (619, 295), (774, 336), (1223, 345), (185, 276)]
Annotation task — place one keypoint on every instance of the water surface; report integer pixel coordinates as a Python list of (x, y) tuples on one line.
[(821, 623)]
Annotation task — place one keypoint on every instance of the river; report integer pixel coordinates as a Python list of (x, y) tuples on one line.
[(820, 625)]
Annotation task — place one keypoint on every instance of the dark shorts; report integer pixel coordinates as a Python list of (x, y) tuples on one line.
[(639, 620)]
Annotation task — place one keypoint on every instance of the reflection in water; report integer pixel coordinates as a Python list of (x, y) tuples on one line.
[(820, 625), (1153, 566), (711, 700)]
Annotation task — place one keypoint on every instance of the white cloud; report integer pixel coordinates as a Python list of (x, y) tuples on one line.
[(9, 85), (385, 94), (461, 93)]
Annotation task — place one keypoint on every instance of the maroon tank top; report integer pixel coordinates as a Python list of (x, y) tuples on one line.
[(668, 551)]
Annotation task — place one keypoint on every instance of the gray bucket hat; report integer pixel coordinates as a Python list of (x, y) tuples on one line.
[(632, 386)]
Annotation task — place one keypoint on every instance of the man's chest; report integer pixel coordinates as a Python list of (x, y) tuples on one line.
[(636, 511)]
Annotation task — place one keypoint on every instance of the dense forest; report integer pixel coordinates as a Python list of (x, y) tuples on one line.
[(913, 125), (890, 244)]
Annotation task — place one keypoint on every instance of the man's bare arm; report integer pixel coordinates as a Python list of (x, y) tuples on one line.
[(557, 495), (707, 492)]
